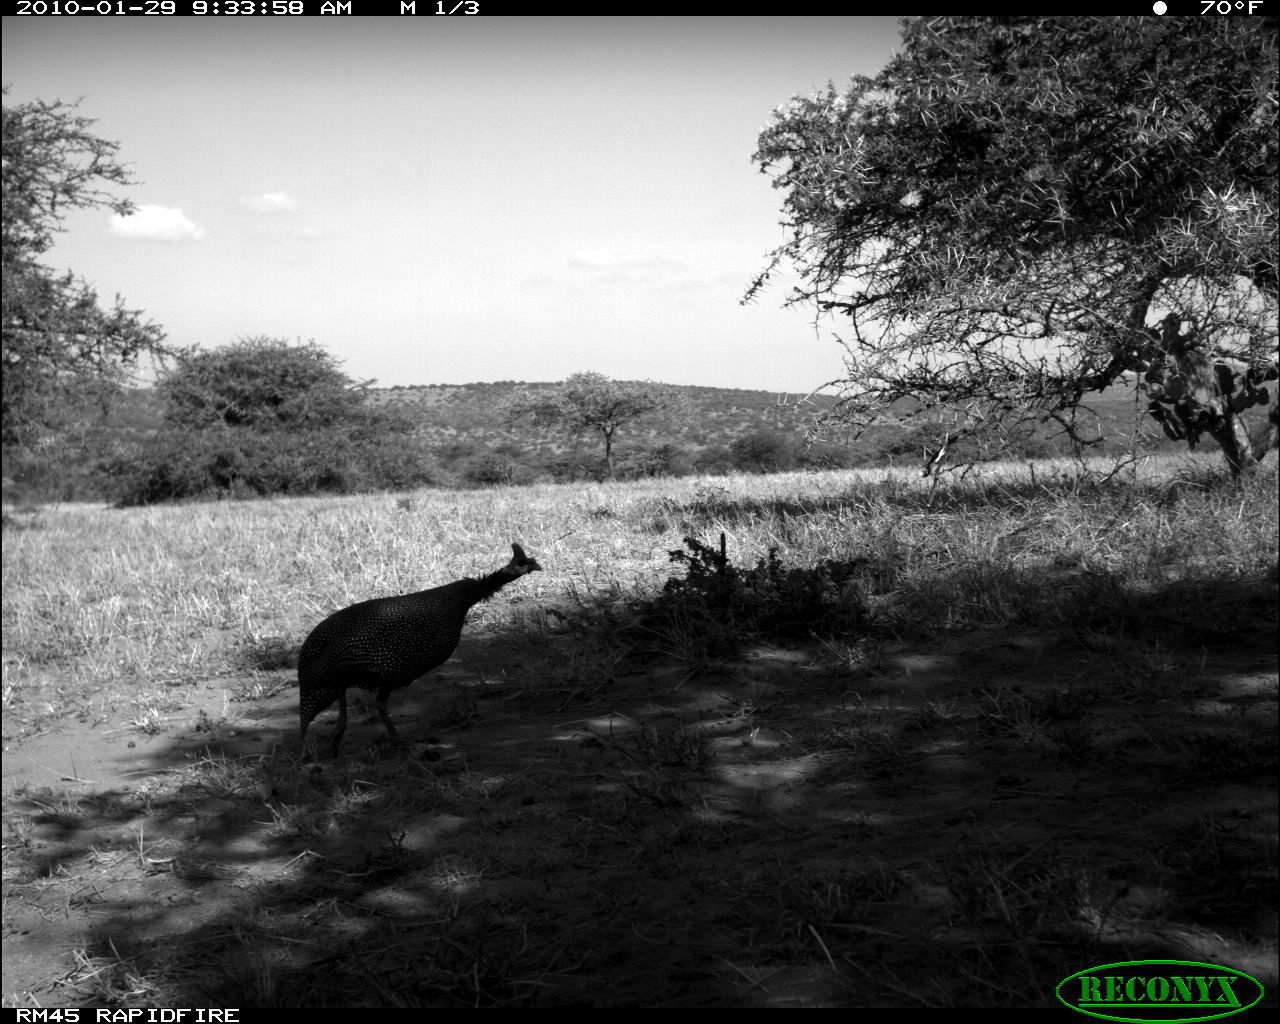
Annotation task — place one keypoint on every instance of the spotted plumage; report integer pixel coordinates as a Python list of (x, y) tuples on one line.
[(388, 642)]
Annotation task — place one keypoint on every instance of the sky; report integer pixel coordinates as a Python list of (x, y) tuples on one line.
[(443, 201)]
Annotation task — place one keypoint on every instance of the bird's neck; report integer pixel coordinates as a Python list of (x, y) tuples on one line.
[(487, 586)]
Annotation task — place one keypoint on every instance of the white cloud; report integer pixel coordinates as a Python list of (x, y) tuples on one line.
[(271, 202), (625, 266), (157, 223), (595, 259)]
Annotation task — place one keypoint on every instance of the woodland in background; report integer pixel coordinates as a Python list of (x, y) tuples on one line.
[(448, 437), (1036, 236)]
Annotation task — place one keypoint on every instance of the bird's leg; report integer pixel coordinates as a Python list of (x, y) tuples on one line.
[(342, 724), (386, 719)]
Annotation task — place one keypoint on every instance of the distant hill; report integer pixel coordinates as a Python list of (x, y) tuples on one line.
[(708, 417), (462, 431), (705, 417)]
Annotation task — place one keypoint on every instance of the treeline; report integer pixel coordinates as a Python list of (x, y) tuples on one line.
[(264, 417)]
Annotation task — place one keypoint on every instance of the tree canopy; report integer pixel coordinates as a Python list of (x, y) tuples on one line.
[(262, 416), (1018, 212), (61, 347), (261, 384), (591, 403)]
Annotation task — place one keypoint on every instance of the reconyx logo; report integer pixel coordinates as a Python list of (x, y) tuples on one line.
[(1163, 990)]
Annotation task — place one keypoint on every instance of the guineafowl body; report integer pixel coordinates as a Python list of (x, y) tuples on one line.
[(388, 642)]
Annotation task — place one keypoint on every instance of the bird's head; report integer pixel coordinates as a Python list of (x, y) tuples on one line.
[(520, 562)]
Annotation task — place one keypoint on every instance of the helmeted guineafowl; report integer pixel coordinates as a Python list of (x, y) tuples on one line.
[(388, 642)]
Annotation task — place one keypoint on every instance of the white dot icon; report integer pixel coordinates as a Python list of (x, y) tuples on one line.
[(1159, 6)]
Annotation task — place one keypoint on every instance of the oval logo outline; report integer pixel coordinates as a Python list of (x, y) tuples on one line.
[(1162, 1016)]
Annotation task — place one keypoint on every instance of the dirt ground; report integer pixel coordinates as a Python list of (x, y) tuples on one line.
[(963, 822)]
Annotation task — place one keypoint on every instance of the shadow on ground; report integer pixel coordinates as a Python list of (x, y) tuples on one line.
[(957, 820)]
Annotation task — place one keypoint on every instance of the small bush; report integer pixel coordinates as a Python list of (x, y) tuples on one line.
[(493, 468), (243, 463), (653, 460), (577, 467), (826, 455), (769, 600), (714, 460), (764, 451), (263, 417)]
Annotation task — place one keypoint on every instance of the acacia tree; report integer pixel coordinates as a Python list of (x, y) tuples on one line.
[(61, 347), (591, 403), (262, 384), (1018, 212), (262, 416)]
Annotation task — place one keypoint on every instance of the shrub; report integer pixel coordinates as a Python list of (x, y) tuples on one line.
[(764, 451), (653, 460), (264, 417), (827, 455), (240, 464), (494, 468), (714, 460), (726, 604)]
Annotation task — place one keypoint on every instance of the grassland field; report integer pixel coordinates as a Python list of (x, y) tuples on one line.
[(1026, 724)]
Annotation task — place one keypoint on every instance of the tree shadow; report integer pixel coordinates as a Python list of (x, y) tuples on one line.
[(856, 818)]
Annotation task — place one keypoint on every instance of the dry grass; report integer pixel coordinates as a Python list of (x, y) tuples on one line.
[(1035, 731)]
